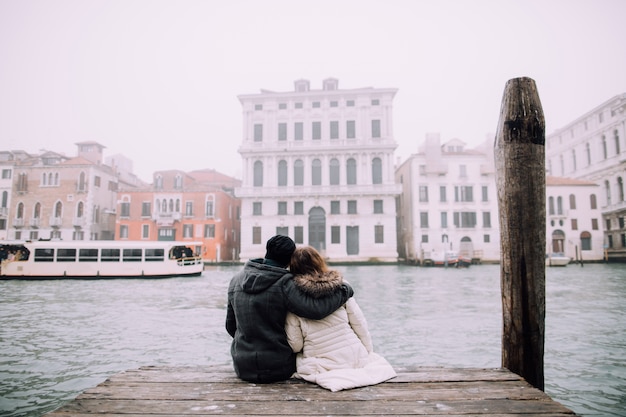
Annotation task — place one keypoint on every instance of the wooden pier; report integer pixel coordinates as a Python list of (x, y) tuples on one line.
[(204, 391)]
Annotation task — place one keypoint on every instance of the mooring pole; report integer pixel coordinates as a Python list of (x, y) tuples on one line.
[(521, 183)]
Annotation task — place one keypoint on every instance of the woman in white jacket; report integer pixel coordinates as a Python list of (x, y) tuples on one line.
[(335, 352)]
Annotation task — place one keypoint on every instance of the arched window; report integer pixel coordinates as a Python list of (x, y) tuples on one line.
[(585, 241), (588, 152), (620, 189), (44, 179), (258, 174), (177, 206), (158, 182), (5, 199), (37, 211), (573, 159), (82, 182), (178, 182), (58, 209), (316, 172), (604, 150), (80, 209), (171, 206), (617, 147), (20, 210), (50, 179), (607, 190), (164, 206), (559, 205), (298, 172), (56, 179), (551, 205), (334, 171), (351, 171), (377, 171), (592, 202), (282, 173), (572, 202)]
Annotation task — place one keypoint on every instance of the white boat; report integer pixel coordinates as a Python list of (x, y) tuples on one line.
[(99, 259), (557, 259)]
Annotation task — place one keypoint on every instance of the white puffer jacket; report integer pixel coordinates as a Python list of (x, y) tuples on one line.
[(335, 352)]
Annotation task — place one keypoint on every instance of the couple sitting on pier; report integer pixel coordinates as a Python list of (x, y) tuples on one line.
[(301, 322)]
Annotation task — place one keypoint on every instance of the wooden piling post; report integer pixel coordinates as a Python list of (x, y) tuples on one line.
[(521, 182)]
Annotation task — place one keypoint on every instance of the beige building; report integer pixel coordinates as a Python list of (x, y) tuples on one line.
[(318, 166), (593, 148), (60, 197)]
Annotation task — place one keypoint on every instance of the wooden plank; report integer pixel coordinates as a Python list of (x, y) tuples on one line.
[(193, 391)]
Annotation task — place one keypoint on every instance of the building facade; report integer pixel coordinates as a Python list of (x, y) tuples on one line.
[(593, 148), (197, 206), (59, 197), (318, 166), (448, 202), (574, 219)]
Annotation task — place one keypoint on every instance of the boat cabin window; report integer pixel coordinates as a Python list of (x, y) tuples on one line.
[(88, 255), (44, 255), (179, 252), (154, 255), (66, 255), (110, 255), (132, 255)]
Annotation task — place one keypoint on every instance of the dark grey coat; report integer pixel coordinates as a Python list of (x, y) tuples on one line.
[(258, 300)]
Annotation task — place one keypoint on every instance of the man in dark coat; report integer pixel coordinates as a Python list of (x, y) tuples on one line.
[(258, 300)]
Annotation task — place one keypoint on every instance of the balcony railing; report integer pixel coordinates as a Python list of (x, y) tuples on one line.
[(166, 218), (56, 221), (78, 221), (18, 222), (35, 222)]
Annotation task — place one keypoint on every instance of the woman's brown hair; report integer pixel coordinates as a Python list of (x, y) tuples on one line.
[(307, 260)]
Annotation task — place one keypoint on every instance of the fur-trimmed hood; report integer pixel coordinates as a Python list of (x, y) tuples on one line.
[(318, 286)]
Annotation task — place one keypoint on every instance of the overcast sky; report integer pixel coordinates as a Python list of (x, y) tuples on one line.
[(158, 80)]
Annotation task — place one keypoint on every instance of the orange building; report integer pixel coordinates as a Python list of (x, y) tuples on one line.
[(197, 206)]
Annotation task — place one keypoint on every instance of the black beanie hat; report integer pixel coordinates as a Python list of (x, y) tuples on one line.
[(279, 249)]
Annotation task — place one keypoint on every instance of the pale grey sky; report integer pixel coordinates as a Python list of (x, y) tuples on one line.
[(158, 80)]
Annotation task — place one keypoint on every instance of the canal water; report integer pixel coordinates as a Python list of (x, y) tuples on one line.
[(58, 338)]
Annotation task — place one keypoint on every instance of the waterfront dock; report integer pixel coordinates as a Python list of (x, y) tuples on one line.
[(211, 390)]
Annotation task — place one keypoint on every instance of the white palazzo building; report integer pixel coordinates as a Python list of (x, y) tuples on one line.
[(318, 166)]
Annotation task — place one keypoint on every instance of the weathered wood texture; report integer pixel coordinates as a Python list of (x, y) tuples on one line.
[(217, 391), (520, 180)]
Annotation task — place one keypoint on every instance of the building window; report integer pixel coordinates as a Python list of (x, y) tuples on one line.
[(316, 172), (282, 230), (334, 104), (257, 208), (256, 235), (572, 202), (334, 129), (375, 128), (377, 171), (187, 230), (605, 152), (465, 219), (350, 103), (282, 106), (444, 219), (145, 231), (258, 107), (298, 235), (258, 132), (351, 206), (594, 224), (485, 192), (335, 233), (617, 147), (125, 209), (298, 131), (334, 171), (424, 238), (298, 172), (282, 207), (351, 171), (463, 193), (379, 233), (315, 104), (298, 207), (350, 129), (486, 219), (585, 241), (189, 208), (423, 194), (378, 206), (146, 209), (258, 174), (209, 231), (375, 102), (592, 202), (282, 131), (123, 231), (316, 130), (282, 173), (6, 174), (424, 219), (442, 193), (298, 105), (486, 238), (209, 206), (335, 207)]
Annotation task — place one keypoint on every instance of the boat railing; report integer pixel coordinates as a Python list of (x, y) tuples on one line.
[(193, 260)]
